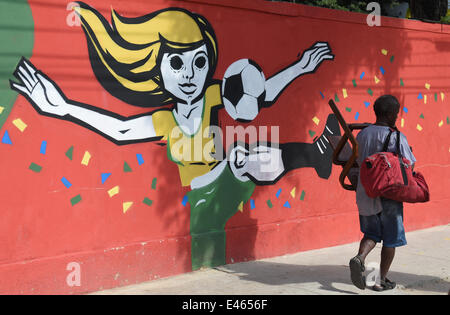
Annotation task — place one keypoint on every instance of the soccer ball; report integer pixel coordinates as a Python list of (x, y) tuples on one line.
[(243, 89)]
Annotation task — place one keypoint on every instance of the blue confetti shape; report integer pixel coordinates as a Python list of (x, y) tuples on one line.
[(6, 139), (382, 70), (321, 94), (252, 204), (105, 177), (405, 109), (367, 104), (278, 193), (140, 159), (43, 148), (287, 204), (66, 182), (184, 201), (356, 115), (362, 75), (420, 96)]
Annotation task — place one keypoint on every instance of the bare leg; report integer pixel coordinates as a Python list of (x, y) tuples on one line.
[(387, 256), (365, 247), (357, 263), (265, 164)]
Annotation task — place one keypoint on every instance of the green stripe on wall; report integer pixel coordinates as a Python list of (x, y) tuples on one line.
[(16, 40)]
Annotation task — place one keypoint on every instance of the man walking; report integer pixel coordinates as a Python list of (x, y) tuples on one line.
[(380, 219)]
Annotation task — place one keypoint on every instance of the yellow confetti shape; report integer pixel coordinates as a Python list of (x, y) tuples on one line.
[(425, 99), (419, 127), (126, 206), (441, 123), (402, 123), (113, 191), (344, 93), (1, 109), (377, 80), (86, 158), (384, 52), (442, 96), (293, 192), (241, 206), (20, 124), (427, 86), (316, 120)]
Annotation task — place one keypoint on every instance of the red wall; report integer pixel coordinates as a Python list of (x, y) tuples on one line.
[(41, 232)]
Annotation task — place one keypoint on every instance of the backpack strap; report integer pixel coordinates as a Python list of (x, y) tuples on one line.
[(388, 139), (397, 145), (399, 153)]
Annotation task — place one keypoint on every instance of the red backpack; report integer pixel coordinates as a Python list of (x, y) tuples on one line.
[(390, 175)]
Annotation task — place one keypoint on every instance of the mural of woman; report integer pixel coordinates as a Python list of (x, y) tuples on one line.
[(168, 57)]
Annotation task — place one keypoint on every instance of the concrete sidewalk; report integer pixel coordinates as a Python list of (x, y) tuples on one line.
[(421, 267)]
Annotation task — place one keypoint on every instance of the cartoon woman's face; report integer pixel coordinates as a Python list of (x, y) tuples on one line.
[(184, 74)]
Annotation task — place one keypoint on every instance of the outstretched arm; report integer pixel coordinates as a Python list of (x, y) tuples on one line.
[(47, 98), (308, 63)]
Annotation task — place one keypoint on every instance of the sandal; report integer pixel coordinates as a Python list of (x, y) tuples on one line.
[(385, 284), (356, 272)]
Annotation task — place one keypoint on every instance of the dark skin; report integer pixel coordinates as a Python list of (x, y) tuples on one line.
[(387, 120), (387, 255), (366, 245)]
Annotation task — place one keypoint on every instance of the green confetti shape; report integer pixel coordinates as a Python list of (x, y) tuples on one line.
[(448, 120), (126, 168), (154, 183), (302, 196), (370, 92), (147, 201), (269, 203), (392, 59), (435, 97), (69, 153), (35, 168), (336, 98), (348, 109), (311, 133), (75, 200), (422, 116), (354, 83), (402, 83)]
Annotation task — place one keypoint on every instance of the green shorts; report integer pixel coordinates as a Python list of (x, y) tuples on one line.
[(211, 207)]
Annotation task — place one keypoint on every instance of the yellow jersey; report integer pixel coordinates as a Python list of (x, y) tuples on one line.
[(194, 154)]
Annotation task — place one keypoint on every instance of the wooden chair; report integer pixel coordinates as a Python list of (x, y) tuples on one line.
[(346, 150)]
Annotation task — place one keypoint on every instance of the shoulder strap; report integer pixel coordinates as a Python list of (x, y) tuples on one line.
[(398, 144), (386, 142)]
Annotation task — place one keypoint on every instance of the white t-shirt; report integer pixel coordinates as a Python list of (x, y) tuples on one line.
[(370, 141)]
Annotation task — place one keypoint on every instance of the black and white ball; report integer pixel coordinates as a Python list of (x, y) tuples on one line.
[(243, 89)]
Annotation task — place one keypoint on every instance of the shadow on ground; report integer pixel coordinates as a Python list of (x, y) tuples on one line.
[(276, 274)]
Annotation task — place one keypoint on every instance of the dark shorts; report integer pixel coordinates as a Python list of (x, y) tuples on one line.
[(386, 226)]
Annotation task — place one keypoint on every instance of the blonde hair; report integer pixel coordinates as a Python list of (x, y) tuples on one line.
[(126, 55)]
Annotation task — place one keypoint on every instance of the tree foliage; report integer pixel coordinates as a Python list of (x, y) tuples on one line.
[(346, 5), (433, 10), (428, 9)]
